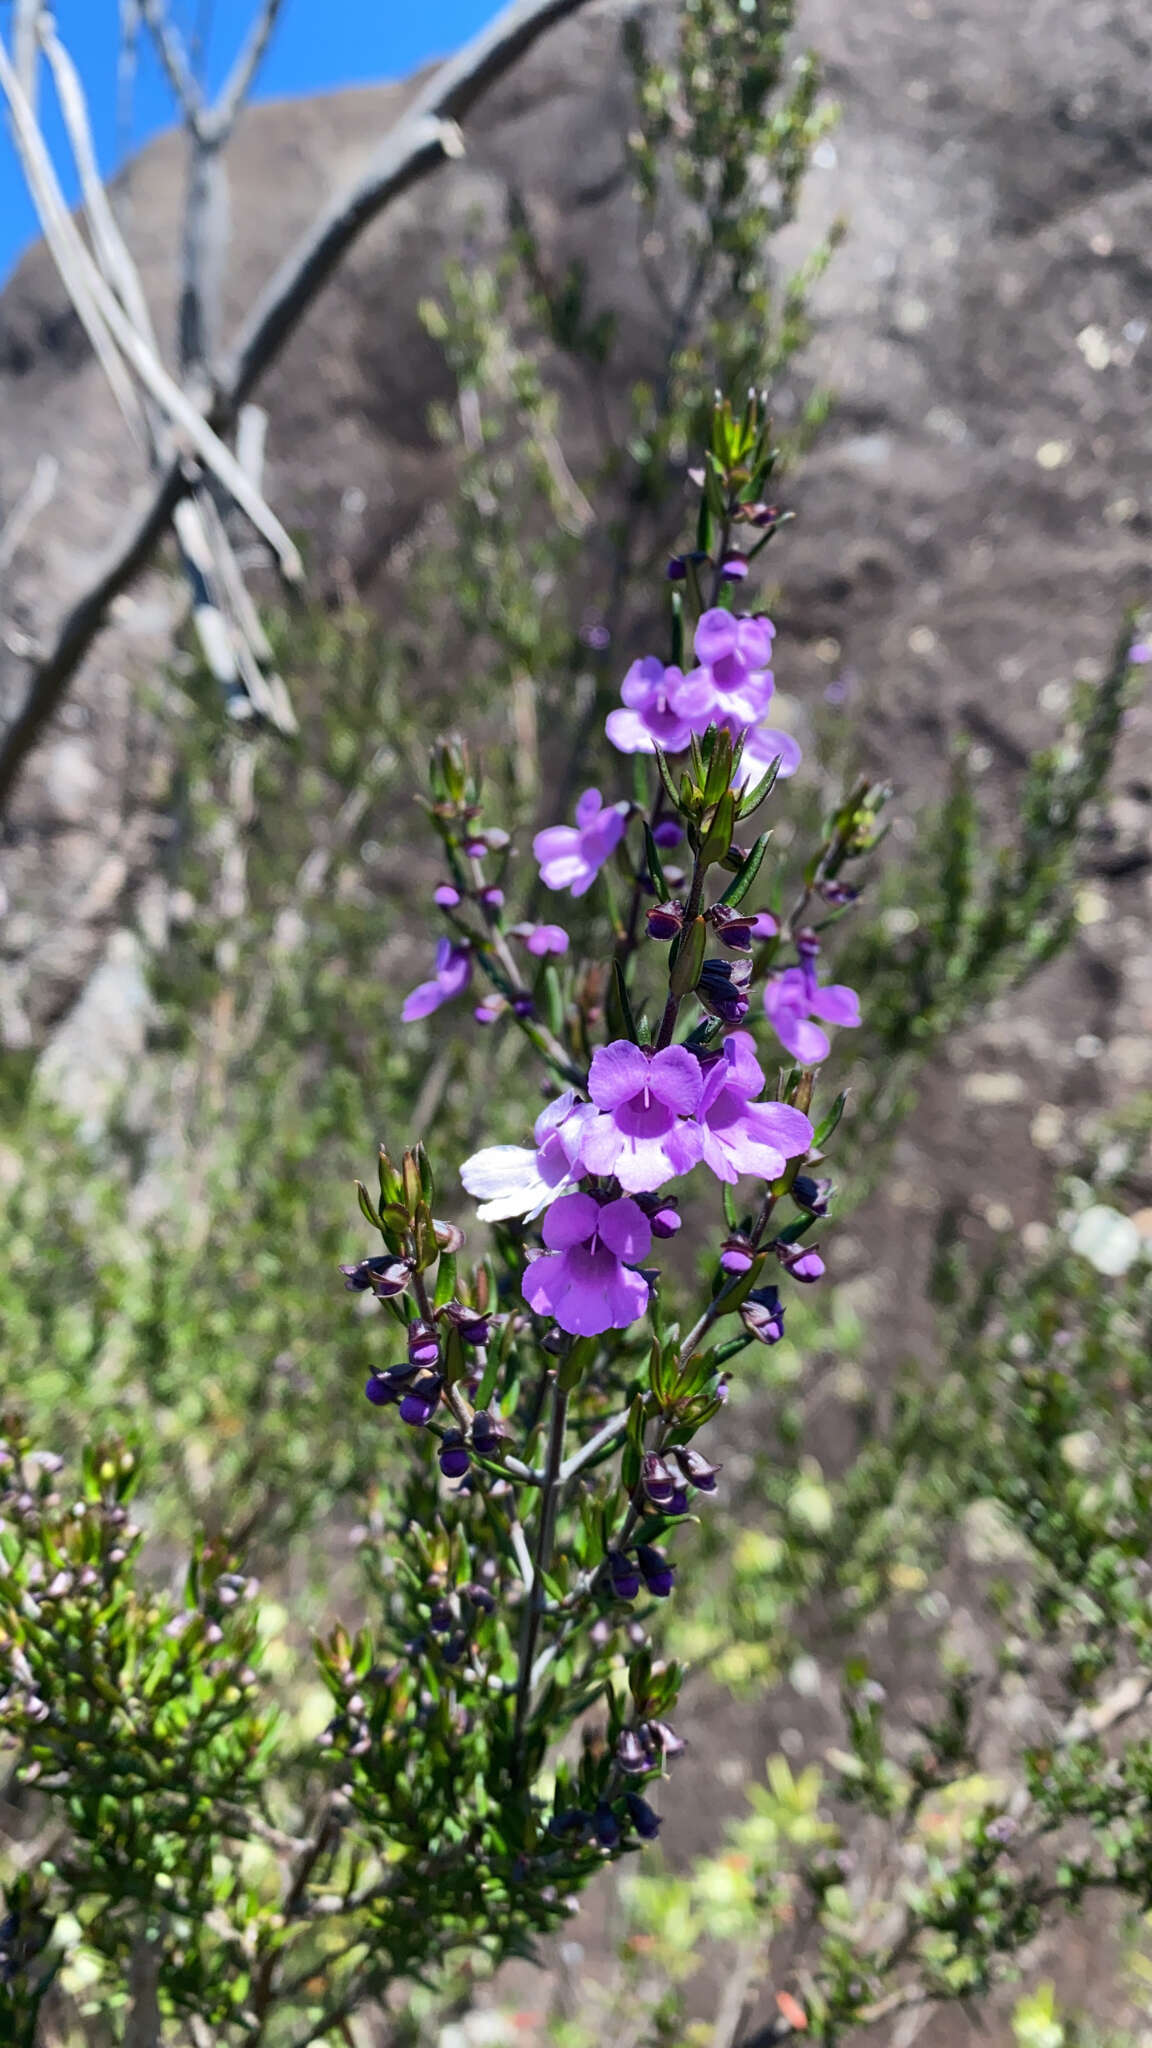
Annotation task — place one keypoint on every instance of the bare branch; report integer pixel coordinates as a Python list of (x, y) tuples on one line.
[(39, 493), (25, 20), (238, 84), (87, 287), (64, 242), (204, 247), (418, 146), (174, 59)]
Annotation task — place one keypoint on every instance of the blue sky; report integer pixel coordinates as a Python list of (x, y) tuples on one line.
[(318, 43)]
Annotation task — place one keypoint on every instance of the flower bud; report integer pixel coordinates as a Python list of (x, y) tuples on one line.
[(570, 1822), (419, 1405), (423, 1343), (838, 894), (731, 928), (737, 1253), (664, 1739), (487, 1433), (665, 920), (624, 1577), (631, 1754), (656, 1480), (722, 989), (646, 1823), (763, 1316), (453, 1455), (605, 1826), (667, 833), (659, 1575), (446, 897), (385, 1274), (811, 1194), (696, 1469), (801, 1261)]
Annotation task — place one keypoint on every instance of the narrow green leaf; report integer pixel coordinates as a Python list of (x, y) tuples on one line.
[(738, 888), (654, 864), (825, 1129)]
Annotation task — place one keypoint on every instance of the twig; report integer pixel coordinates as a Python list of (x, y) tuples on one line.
[(593, 1447), (37, 494), (220, 121), (174, 61)]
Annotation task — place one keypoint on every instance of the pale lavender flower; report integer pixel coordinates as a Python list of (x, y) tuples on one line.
[(663, 708), (738, 1134), (642, 1134), (584, 1279), (793, 998), (1140, 652), (453, 973), (763, 745), (542, 938), (511, 1180), (571, 856)]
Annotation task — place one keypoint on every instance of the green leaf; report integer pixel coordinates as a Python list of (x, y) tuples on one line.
[(368, 1208), (752, 799), (445, 1279), (690, 950), (654, 864), (825, 1129), (665, 773), (620, 1019)]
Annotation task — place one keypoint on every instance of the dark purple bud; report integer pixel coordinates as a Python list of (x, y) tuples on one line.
[(631, 1754), (453, 1455), (455, 1649), (656, 1480), (487, 1433), (442, 1618), (596, 636), (479, 1596), (662, 1213), (423, 1344), (678, 1505), (723, 989), (838, 894), (763, 1316), (492, 899), (696, 1469), (665, 1739), (737, 1253), (801, 1261), (811, 1194), (807, 944), (421, 1402), (667, 833), (665, 920), (446, 896), (384, 1274), (476, 848), (523, 1006), (475, 1329), (733, 569), (731, 928), (645, 1822), (677, 569), (570, 1822), (449, 1236), (623, 1574), (659, 1575), (605, 1826), (381, 1390)]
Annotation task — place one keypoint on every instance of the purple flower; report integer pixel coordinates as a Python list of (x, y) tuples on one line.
[(453, 973), (664, 708), (737, 1253), (667, 833), (542, 938), (605, 1826), (1140, 651), (738, 1134), (385, 1274), (584, 1279), (644, 1099), (423, 1343), (791, 999), (571, 856), (764, 745), (733, 648), (656, 1480), (665, 920), (446, 896), (631, 1754), (511, 1180), (764, 925)]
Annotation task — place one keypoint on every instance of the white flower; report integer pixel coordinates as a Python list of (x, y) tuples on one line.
[(511, 1180)]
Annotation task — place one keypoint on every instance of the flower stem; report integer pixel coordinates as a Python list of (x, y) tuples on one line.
[(535, 1599)]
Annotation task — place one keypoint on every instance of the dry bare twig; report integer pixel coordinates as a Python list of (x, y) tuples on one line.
[(424, 138)]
